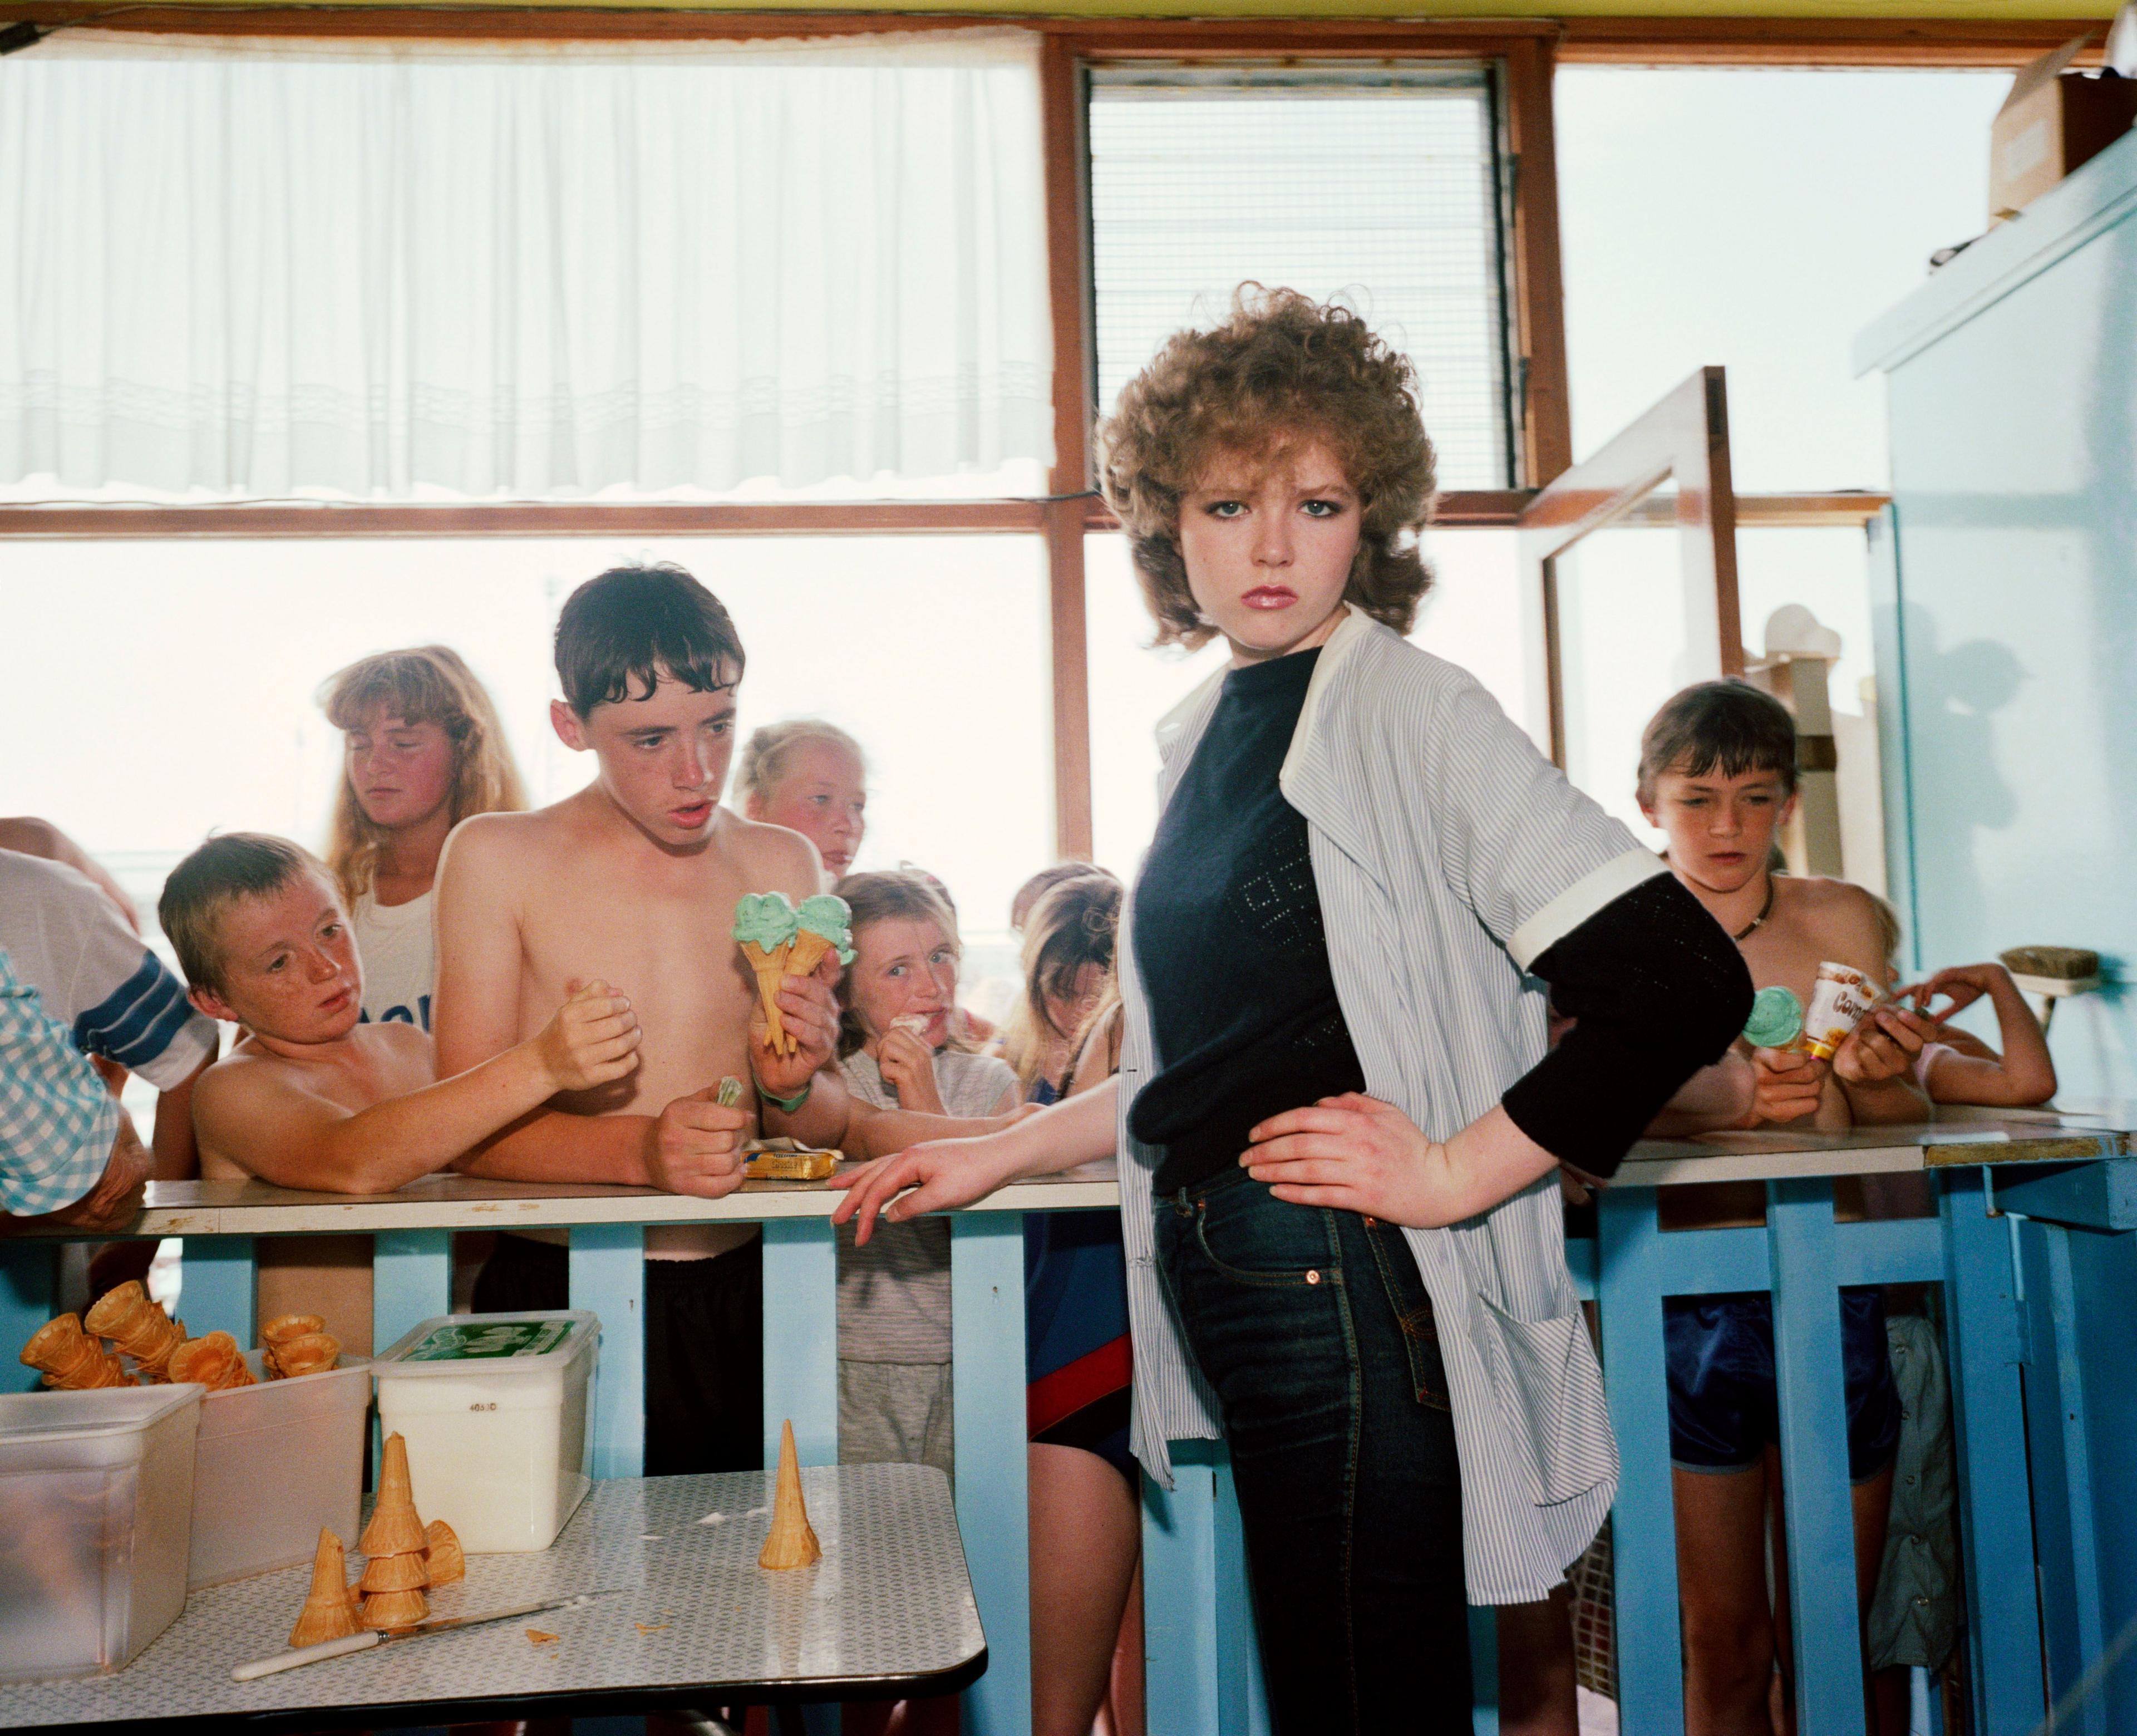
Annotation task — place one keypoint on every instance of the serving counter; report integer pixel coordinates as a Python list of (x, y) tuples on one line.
[(2029, 1240)]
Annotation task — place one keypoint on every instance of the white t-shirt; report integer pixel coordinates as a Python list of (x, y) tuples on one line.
[(400, 955)]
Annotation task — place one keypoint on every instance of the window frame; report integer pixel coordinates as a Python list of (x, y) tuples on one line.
[(1523, 52)]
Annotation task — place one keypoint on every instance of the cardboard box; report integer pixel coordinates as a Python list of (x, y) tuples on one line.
[(2052, 120)]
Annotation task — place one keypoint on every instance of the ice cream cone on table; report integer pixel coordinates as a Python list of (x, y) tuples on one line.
[(395, 1573), (790, 1542), (138, 1325), (443, 1558), (765, 927), (330, 1613), (385, 1611), (394, 1528)]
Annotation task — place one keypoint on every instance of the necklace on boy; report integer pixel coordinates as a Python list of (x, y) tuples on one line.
[(1765, 910)]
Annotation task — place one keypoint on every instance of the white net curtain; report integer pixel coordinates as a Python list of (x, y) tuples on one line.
[(542, 271)]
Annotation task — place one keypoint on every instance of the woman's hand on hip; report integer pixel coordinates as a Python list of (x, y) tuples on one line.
[(1354, 1153)]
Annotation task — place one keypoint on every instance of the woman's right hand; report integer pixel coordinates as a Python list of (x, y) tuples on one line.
[(943, 1174)]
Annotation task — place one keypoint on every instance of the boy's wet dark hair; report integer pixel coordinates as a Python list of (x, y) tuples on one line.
[(224, 871), (620, 632), (1730, 724)]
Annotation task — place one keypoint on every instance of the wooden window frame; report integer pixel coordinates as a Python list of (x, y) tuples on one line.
[(1526, 51)]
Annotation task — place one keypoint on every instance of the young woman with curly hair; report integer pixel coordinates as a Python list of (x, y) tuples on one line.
[(1339, 1120)]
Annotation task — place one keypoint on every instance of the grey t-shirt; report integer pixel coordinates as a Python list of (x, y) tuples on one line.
[(894, 1293)]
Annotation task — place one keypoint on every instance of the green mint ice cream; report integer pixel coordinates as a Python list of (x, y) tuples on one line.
[(831, 917), (1776, 1020), (764, 919)]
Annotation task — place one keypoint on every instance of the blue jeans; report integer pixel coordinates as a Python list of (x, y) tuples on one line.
[(1314, 1330)]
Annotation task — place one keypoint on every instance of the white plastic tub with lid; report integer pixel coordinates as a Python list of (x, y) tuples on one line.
[(307, 1435), (493, 1408), (96, 1513)]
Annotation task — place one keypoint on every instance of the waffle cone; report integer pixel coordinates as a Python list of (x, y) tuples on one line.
[(328, 1613), (355, 1606), (790, 1542), (806, 953), (215, 1361), (286, 1327), (446, 1562), (770, 968), (385, 1611), (309, 1353), (394, 1573), (394, 1528), (138, 1325), (58, 1347)]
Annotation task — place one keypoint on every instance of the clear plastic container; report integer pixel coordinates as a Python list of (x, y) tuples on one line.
[(96, 1505), (493, 1410), (309, 1432)]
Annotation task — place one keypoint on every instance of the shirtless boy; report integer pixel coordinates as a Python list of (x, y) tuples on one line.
[(635, 878), (1718, 774), (311, 1097)]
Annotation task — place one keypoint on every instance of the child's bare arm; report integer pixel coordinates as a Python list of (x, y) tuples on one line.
[(266, 1117), (1875, 1064), (1718, 1096), (2025, 1075)]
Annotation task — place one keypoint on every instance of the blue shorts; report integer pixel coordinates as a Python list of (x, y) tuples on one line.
[(1723, 1408)]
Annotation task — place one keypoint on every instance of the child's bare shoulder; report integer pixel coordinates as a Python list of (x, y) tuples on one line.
[(773, 856), (1839, 912)]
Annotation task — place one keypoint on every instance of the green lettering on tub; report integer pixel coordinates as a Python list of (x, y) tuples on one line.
[(506, 1339)]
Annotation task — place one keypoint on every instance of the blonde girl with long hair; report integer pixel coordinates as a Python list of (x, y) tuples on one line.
[(422, 751)]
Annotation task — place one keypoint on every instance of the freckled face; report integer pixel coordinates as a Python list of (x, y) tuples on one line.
[(903, 967), (823, 796), (663, 758), (289, 965), (1269, 547)]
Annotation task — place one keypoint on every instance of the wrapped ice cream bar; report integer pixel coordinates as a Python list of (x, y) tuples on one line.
[(1839, 999)]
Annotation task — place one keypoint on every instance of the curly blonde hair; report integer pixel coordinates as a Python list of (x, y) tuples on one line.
[(1281, 370)]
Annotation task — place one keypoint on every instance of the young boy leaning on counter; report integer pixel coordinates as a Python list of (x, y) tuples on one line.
[(312, 1096), (1717, 775), (636, 878)]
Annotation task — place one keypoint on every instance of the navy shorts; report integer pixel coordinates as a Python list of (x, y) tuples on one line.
[(1723, 1408)]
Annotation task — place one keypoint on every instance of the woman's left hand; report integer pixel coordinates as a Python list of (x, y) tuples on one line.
[(1357, 1153)]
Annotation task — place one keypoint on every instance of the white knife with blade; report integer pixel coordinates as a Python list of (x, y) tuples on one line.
[(369, 1638)]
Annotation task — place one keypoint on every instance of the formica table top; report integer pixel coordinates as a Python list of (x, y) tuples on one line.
[(693, 1619)]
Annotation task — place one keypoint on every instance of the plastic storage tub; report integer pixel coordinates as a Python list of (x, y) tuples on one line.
[(493, 1410), (307, 1435), (96, 1509)]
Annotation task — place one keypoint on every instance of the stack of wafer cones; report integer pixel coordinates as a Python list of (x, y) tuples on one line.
[(137, 1324), (298, 1344), (394, 1545), (70, 1359), (215, 1361), (792, 1541), (330, 1611), (443, 1557)]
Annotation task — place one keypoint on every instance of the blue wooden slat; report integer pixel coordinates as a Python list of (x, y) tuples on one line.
[(412, 1282), (1901, 1250), (1581, 1261), (1484, 1670), (2086, 1196), (1634, 1279), (1996, 1530), (29, 1295), (1813, 1428), (1181, 1649), (218, 1291), (2072, 1618), (1242, 1696), (608, 1276), (801, 1337), (986, 1334)]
